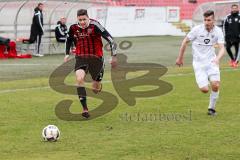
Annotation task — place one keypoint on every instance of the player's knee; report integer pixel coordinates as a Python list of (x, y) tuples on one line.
[(215, 86), (204, 89), (80, 80)]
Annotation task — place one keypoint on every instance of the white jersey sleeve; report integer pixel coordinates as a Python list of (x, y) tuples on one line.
[(192, 34), (220, 36)]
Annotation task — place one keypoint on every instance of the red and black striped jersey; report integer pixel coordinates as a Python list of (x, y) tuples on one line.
[(88, 41)]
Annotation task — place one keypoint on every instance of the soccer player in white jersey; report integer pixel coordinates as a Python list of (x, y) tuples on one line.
[(205, 62)]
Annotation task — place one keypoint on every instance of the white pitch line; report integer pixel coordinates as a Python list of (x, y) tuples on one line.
[(29, 64), (22, 89), (227, 69), (48, 87)]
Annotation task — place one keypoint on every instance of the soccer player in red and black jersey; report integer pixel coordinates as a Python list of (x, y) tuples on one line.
[(87, 37)]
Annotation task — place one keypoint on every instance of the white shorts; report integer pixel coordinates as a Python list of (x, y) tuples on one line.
[(205, 72)]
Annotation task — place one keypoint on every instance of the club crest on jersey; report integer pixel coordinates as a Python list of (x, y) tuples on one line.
[(206, 41), (236, 19), (90, 30), (212, 36)]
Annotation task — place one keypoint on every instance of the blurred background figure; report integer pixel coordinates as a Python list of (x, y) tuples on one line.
[(231, 28), (61, 30), (8, 49), (36, 29), (5, 42)]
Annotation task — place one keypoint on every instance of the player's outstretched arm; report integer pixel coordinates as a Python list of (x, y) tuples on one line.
[(220, 53), (113, 61), (107, 36), (183, 47), (113, 45)]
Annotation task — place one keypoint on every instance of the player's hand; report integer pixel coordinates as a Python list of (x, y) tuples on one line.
[(113, 62), (216, 61), (179, 62), (66, 58)]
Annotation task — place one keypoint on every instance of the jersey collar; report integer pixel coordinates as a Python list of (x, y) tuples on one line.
[(210, 30)]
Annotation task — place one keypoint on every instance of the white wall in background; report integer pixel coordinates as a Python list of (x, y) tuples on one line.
[(138, 21)]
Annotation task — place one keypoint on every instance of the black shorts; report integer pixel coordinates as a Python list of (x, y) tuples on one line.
[(93, 65)]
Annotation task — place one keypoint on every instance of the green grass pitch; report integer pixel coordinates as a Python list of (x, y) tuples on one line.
[(27, 105)]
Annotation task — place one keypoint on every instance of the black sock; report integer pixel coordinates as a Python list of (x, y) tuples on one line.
[(83, 101), (82, 97)]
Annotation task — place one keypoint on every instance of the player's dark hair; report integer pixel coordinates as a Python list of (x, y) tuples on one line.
[(39, 4), (208, 13), (234, 5), (82, 12)]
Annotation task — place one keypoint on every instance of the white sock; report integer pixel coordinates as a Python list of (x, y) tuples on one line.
[(213, 99)]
